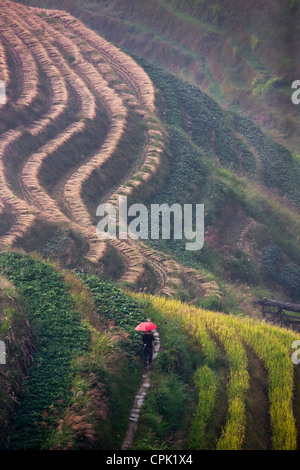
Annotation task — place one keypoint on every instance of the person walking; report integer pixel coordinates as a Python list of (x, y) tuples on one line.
[(149, 347)]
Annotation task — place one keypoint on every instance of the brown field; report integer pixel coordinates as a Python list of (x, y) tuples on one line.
[(78, 65)]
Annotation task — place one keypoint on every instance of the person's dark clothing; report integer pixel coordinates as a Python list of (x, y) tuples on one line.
[(148, 354), (148, 351), (148, 339)]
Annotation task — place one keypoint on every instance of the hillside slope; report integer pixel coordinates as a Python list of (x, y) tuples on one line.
[(248, 182), (97, 137), (226, 382), (86, 122), (245, 54)]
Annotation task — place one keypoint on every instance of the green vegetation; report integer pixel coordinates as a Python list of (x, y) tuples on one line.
[(171, 400), (61, 338), (206, 382), (190, 110), (290, 279), (210, 163), (279, 169), (116, 306), (271, 344), (18, 338), (79, 363), (287, 275)]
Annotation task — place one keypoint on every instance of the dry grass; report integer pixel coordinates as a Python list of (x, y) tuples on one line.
[(27, 69), (4, 71), (97, 70)]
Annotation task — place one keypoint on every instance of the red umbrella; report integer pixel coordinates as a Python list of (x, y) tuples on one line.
[(146, 326)]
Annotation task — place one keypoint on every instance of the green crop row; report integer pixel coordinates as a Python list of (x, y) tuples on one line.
[(271, 344), (279, 169), (206, 382), (214, 132), (189, 109), (114, 305), (233, 434), (61, 337)]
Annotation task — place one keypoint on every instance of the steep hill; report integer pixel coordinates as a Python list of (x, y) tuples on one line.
[(74, 360), (165, 102), (252, 208), (98, 136), (244, 54)]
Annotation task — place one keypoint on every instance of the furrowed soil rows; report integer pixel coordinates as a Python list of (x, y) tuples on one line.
[(23, 213), (70, 54), (4, 71), (141, 85), (116, 109), (27, 65)]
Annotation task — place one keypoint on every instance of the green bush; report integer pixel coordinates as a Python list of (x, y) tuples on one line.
[(172, 400), (289, 278), (169, 398), (271, 257), (240, 267)]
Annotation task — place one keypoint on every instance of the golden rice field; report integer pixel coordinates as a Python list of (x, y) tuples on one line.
[(234, 334)]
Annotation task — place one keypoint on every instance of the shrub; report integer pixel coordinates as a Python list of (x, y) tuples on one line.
[(271, 256), (289, 278), (253, 41), (171, 400), (240, 267)]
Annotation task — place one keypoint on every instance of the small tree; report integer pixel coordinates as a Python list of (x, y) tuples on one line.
[(271, 257), (290, 280)]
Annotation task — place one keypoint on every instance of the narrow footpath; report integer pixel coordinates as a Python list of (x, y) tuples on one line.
[(139, 400)]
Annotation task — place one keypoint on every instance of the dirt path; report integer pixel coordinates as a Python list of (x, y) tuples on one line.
[(258, 429), (139, 400), (297, 400)]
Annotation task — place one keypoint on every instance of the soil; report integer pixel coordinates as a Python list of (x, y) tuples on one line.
[(258, 428)]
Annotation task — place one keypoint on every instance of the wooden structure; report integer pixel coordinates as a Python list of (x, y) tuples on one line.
[(279, 312)]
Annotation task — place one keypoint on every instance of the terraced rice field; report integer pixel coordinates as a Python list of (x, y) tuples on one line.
[(81, 113), (245, 344), (52, 63)]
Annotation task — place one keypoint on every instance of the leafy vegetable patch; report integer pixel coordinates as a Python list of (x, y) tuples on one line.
[(116, 306), (61, 337)]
